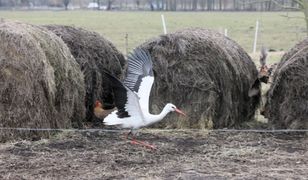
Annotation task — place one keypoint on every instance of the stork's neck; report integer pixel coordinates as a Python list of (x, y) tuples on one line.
[(158, 117)]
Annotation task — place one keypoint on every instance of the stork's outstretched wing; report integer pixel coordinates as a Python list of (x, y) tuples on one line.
[(127, 103), (139, 76)]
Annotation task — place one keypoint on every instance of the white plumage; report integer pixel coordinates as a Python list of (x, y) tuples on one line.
[(132, 96)]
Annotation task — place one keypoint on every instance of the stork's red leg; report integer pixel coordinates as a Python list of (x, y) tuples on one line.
[(147, 145), (137, 142)]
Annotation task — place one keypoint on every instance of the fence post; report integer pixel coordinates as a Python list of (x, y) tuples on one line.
[(126, 45), (256, 37), (164, 23)]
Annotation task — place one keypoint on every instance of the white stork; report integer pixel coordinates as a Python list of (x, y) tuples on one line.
[(132, 96)]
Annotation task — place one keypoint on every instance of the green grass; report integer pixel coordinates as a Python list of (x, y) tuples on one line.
[(277, 32)]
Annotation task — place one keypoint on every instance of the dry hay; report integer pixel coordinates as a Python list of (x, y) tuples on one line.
[(41, 85), (186, 154), (93, 53), (206, 74), (287, 99)]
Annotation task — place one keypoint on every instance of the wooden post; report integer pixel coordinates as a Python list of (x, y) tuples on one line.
[(164, 23), (126, 44), (256, 37)]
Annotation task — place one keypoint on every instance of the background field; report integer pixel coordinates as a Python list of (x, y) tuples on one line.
[(276, 31)]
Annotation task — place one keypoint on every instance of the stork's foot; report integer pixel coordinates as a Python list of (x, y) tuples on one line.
[(150, 146), (136, 142)]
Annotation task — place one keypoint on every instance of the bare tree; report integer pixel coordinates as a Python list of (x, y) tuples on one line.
[(137, 3), (158, 5), (109, 4), (303, 6), (151, 3), (98, 4), (173, 5), (235, 5), (194, 5), (297, 5), (66, 3), (210, 4), (202, 5)]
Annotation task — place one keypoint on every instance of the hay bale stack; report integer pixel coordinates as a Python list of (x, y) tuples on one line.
[(287, 98), (41, 85), (206, 74), (93, 53)]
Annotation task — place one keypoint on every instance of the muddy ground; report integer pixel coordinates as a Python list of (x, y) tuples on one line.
[(179, 155)]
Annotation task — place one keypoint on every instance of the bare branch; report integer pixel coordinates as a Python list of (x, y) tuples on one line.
[(243, 2), (292, 17), (300, 2), (288, 7)]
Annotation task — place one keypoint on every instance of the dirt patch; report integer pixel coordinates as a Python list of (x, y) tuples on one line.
[(181, 155)]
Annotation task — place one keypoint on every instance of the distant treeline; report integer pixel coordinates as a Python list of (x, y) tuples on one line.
[(158, 5)]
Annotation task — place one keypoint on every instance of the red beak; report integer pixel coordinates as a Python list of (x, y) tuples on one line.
[(180, 112)]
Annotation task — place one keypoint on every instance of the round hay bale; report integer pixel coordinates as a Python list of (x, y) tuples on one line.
[(287, 98), (206, 74), (41, 85), (93, 53)]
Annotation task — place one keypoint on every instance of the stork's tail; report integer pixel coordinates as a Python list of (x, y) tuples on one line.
[(112, 119)]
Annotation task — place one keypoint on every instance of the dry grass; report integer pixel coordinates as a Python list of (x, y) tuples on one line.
[(287, 102), (93, 53), (207, 75), (184, 154), (41, 85)]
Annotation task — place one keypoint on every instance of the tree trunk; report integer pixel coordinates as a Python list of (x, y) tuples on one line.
[(174, 5), (194, 5), (109, 5), (66, 2), (293, 4), (98, 4), (121, 4), (157, 5), (163, 4), (202, 5), (235, 6), (208, 4), (269, 6), (137, 3)]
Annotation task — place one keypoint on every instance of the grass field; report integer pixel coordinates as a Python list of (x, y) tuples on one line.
[(276, 32)]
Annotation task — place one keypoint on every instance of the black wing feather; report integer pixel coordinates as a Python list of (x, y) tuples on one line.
[(139, 66), (119, 92)]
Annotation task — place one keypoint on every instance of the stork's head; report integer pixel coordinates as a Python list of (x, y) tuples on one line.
[(171, 108)]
